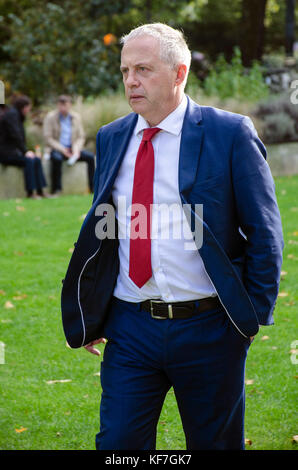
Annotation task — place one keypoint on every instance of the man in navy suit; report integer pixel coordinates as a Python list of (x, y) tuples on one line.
[(178, 310)]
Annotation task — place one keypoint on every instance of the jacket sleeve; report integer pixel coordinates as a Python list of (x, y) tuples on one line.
[(259, 220), (14, 132), (48, 135)]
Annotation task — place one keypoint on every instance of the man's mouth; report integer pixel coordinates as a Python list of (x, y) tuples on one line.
[(136, 97)]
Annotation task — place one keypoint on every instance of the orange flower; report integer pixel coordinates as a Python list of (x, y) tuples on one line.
[(109, 39)]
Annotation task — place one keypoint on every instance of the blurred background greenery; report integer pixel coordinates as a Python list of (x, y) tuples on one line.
[(244, 56)]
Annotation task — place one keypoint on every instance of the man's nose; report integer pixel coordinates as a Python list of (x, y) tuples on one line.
[(131, 79)]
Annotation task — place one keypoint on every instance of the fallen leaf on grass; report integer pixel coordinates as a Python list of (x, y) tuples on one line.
[(70, 250), (18, 253), (21, 430), (283, 294), (264, 338), (20, 297), (295, 438), (248, 442), (249, 382), (20, 208), (97, 373), (2, 292), (8, 304), (295, 233), (291, 256), (292, 242), (6, 214), (6, 321), (50, 382)]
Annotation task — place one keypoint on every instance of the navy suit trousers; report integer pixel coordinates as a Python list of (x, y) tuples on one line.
[(202, 358)]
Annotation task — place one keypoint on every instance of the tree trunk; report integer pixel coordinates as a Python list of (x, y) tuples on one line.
[(252, 30), (290, 27), (148, 8)]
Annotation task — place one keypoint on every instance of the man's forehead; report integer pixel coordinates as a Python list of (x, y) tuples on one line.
[(139, 46)]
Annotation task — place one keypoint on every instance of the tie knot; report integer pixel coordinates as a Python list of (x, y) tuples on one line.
[(149, 133)]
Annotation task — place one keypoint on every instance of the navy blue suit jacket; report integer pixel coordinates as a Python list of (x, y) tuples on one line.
[(222, 165)]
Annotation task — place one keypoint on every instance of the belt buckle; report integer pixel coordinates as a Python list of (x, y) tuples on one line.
[(170, 310)]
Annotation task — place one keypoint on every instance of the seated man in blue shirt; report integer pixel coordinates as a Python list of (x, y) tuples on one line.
[(64, 135)]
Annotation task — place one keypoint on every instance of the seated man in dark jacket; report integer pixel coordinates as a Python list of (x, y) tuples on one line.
[(13, 149)]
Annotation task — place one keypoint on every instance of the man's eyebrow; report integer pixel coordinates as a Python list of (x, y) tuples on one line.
[(140, 64)]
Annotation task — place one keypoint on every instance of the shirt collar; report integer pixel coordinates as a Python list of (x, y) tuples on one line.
[(64, 118), (172, 123)]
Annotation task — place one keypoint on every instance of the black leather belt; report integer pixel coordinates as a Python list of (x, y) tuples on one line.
[(162, 310)]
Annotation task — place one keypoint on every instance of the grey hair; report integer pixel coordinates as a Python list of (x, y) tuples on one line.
[(173, 47)]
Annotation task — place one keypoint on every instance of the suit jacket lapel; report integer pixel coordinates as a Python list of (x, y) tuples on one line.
[(119, 142), (190, 146)]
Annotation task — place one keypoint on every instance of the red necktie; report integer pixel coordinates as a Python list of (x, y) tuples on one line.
[(140, 269)]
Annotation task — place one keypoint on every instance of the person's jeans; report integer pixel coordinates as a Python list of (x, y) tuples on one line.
[(33, 172), (56, 161), (202, 358)]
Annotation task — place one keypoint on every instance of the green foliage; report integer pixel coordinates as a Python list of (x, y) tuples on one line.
[(56, 49), (227, 80), (50, 47)]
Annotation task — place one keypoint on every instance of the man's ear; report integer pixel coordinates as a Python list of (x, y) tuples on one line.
[(181, 74)]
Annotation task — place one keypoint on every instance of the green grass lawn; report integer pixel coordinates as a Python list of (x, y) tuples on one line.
[(36, 240)]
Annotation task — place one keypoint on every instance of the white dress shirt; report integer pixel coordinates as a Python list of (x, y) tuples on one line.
[(178, 272)]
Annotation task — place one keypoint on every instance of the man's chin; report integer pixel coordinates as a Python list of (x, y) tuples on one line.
[(138, 105)]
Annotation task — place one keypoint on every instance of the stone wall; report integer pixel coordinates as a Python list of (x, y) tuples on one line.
[(282, 159), (74, 179)]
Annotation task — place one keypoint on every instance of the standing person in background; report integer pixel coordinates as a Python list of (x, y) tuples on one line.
[(64, 135), (13, 150)]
